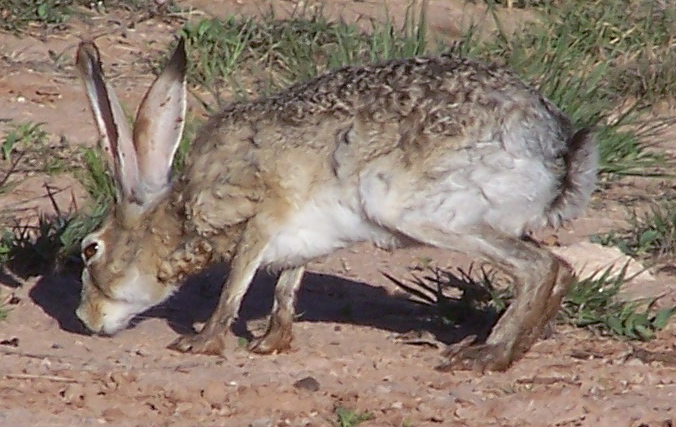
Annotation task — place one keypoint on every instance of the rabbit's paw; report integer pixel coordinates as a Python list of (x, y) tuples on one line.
[(211, 344), (479, 357)]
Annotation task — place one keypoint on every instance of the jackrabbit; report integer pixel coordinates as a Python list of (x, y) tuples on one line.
[(440, 151)]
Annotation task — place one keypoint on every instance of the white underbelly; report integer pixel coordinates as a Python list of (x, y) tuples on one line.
[(322, 225)]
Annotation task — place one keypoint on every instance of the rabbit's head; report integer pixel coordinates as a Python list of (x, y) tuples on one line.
[(123, 258)]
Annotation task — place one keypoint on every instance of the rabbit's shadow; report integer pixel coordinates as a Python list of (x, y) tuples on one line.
[(321, 298)]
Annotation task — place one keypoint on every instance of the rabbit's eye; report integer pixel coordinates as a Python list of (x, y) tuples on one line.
[(90, 250)]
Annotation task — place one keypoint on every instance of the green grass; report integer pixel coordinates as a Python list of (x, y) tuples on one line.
[(27, 147), (13, 146), (55, 241), (351, 418), (31, 250), (27, 134), (4, 311), (96, 177), (573, 58), (235, 54), (593, 302), (6, 242), (650, 235), (17, 15), (192, 126), (637, 36), (642, 38), (53, 244)]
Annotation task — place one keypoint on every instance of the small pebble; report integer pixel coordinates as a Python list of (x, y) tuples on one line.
[(12, 342), (397, 405), (307, 383), (262, 422), (73, 394), (182, 407)]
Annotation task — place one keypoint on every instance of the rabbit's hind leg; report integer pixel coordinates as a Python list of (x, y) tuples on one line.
[(541, 281), (278, 336)]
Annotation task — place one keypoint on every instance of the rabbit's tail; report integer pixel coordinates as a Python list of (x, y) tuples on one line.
[(579, 180)]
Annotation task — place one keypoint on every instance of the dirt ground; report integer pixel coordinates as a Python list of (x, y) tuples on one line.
[(347, 352)]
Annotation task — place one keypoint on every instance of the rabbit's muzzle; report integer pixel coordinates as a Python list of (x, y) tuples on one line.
[(108, 313), (102, 315)]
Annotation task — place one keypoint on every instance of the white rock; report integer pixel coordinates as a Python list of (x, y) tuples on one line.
[(590, 258)]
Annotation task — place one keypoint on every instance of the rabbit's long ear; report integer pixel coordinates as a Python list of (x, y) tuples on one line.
[(159, 125), (110, 119)]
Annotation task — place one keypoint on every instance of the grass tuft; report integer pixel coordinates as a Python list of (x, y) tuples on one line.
[(52, 244), (26, 134), (96, 177), (651, 235), (350, 417), (4, 308), (192, 126), (593, 303), (4, 312), (17, 15), (26, 148), (270, 53)]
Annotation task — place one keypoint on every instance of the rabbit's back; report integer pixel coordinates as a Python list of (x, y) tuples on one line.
[(445, 96)]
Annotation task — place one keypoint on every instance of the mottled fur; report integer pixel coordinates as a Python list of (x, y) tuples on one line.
[(443, 151)]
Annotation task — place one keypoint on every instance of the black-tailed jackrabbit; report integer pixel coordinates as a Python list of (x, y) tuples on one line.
[(440, 151)]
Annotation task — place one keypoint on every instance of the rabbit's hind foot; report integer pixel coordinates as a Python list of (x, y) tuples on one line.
[(477, 357)]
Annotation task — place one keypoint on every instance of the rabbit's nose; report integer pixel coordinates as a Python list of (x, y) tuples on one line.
[(81, 314)]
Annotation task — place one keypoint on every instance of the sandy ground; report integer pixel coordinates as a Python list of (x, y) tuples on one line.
[(347, 350)]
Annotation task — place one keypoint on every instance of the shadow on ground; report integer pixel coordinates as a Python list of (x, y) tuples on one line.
[(322, 298)]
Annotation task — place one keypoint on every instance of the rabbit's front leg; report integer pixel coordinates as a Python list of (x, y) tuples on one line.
[(278, 336), (245, 263)]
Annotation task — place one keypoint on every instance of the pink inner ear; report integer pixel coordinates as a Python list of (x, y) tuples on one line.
[(110, 119), (141, 162), (89, 63), (159, 124)]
